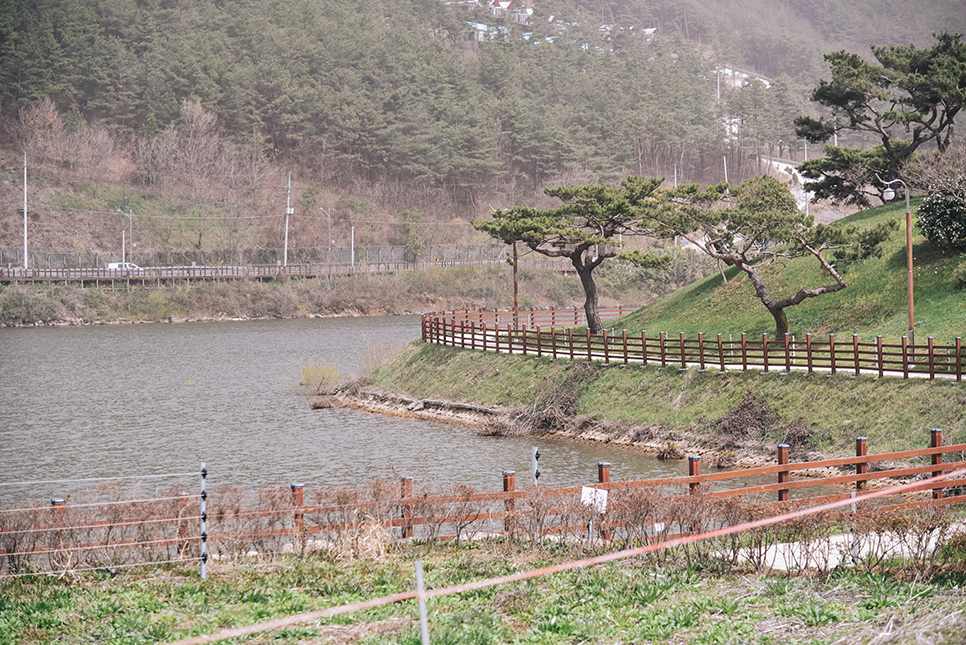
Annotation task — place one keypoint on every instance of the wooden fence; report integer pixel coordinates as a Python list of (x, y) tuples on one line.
[(550, 333), (234, 523), (566, 510)]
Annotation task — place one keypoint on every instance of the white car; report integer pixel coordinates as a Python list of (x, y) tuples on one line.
[(121, 265)]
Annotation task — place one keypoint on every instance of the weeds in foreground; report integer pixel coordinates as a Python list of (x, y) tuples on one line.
[(630, 601)]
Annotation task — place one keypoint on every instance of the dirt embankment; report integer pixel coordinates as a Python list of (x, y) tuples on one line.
[(733, 445)]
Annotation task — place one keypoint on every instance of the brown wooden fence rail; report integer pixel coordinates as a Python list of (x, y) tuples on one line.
[(512, 510), (61, 537), (551, 333)]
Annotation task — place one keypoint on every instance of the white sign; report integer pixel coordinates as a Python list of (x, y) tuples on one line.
[(594, 497)]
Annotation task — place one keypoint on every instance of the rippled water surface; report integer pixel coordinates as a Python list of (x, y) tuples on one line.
[(137, 400)]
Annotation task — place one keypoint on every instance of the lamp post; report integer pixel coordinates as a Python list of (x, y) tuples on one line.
[(888, 194), (130, 216)]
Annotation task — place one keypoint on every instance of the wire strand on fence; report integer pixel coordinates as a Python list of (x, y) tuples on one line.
[(102, 525), (95, 479), (128, 501), (101, 568), (557, 568)]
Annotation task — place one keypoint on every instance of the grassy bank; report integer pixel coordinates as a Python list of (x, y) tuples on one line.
[(733, 410), (874, 302), (722, 411)]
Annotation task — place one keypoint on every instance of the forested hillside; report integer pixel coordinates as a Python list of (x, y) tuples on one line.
[(393, 115)]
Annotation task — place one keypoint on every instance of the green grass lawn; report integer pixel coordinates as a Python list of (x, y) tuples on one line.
[(635, 601)]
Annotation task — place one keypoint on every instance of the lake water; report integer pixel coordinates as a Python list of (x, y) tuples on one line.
[(154, 399)]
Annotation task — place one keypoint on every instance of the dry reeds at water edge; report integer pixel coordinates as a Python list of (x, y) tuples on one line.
[(320, 378)]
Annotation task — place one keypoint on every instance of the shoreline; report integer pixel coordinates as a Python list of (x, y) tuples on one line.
[(80, 322), (651, 441)]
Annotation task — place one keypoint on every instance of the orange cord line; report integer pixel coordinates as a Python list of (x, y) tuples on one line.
[(533, 573)]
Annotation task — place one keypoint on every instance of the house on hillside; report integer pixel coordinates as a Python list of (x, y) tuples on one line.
[(518, 14)]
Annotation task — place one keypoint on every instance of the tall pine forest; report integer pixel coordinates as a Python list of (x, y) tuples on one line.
[(395, 120)]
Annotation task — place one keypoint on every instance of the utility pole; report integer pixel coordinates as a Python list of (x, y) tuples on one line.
[(288, 211), (25, 211)]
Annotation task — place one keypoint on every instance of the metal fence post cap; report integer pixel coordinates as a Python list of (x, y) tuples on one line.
[(603, 463), (57, 501), (783, 446), (694, 458), (407, 479), (298, 486), (861, 438), (509, 472), (936, 430)]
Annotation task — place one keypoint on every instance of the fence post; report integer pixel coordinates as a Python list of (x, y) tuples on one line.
[(603, 477), (905, 357), (407, 509), (625, 347), (744, 352), (603, 472), (663, 337), (808, 351), (644, 345), (959, 358), (694, 470), (764, 351), (606, 350), (589, 353), (509, 505), (684, 362), (203, 514), (570, 341), (831, 351), (932, 360), (553, 341), (862, 468), (878, 353), (701, 349), (937, 442), (721, 352), (298, 519), (539, 343), (783, 475), (788, 353), (855, 352)]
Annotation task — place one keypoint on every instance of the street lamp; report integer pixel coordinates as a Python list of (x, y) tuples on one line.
[(888, 194), (130, 216)]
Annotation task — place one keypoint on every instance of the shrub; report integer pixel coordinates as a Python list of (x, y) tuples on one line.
[(942, 215), (959, 275), (320, 378)]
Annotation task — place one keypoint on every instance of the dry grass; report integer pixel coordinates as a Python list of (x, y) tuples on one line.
[(320, 378)]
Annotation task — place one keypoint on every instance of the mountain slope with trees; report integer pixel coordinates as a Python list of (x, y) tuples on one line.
[(190, 116)]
